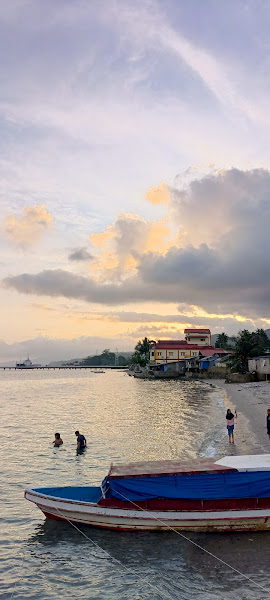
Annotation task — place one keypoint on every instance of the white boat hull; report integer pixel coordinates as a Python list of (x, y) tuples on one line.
[(141, 520)]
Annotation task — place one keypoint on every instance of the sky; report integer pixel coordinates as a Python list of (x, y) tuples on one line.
[(135, 172)]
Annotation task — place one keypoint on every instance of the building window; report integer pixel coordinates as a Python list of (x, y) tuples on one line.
[(182, 354), (202, 339), (153, 354), (159, 353), (170, 353)]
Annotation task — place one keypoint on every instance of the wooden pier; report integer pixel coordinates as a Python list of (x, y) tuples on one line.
[(59, 368)]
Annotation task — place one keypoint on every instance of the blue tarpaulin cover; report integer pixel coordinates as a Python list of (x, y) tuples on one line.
[(232, 484)]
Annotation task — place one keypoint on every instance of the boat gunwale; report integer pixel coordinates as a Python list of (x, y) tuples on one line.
[(264, 512), (33, 492)]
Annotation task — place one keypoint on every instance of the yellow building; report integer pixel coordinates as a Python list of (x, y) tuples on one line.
[(200, 337), (194, 344)]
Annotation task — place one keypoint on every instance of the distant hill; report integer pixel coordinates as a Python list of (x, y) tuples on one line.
[(75, 361)]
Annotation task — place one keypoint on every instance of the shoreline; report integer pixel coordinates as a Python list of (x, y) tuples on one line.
[(251, 401)]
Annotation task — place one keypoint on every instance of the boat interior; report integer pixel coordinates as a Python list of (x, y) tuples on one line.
[(78, 494)]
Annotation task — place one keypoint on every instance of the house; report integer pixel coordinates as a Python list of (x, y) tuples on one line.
[(260, 365), (200, 337), (213, 360), (168, 351), (170, 370), (223, 362)]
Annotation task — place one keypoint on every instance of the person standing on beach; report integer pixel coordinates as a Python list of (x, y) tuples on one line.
[(268, 421), (230, 424)]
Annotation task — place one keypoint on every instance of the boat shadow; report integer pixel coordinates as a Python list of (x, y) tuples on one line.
[(248, 551)]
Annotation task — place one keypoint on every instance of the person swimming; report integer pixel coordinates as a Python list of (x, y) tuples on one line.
[(57, 440)]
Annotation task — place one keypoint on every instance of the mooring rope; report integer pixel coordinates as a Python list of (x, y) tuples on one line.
[(195, 544), (143, 579), (128, 569), (175, 531)]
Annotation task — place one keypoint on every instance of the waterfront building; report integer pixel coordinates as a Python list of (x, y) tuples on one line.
[(194, 346), (261, 366), (200, 337)]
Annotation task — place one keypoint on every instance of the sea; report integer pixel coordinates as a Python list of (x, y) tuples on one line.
[(124, 420)]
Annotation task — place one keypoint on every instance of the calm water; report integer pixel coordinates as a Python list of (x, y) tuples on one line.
[(124, 419)]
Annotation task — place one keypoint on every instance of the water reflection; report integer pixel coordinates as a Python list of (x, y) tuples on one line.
[(126, 420), (80, 451), (168, 552)]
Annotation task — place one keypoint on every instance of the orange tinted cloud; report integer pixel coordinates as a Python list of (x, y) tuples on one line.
[(30, 226), (99, 240), (122, 244), (159, 238), (159, 194)]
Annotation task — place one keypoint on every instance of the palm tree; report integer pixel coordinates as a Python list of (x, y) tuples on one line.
[(222, 341), (141, 354), (243, 349)]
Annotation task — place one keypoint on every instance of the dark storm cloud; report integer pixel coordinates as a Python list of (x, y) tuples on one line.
[(80, 254)]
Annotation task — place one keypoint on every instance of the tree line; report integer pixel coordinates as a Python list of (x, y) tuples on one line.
[(243, 346), (106, 358)]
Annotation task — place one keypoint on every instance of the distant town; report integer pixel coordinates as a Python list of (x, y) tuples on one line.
[(199, 353)]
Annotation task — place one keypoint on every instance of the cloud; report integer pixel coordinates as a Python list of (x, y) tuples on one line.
[(159, 194), (122, 244), (221, 203), (80, 254), (227, 273), (152, 28), (28, 228)]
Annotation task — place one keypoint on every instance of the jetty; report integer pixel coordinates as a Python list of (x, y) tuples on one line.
[(64, 367)]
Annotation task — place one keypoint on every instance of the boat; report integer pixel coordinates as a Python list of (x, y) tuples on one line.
[(230, 494), (27, 364)]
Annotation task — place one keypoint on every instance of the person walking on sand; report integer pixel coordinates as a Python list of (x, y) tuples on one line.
[(230, 424)]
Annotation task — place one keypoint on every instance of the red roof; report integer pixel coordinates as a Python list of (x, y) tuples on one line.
[(198, 331), (209, 351), (172, 342), (180, 345), (173, 345)]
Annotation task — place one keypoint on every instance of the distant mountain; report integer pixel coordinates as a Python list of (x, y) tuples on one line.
[(75, 361)]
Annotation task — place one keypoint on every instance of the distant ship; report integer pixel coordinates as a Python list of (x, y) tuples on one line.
[(27, 364)]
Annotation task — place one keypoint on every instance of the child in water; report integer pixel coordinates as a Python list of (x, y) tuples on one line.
[(57, 440)]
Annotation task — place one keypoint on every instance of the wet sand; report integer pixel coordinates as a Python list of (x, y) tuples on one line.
[(251, 401)]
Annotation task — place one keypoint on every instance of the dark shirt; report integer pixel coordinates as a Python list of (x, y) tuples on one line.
[(268, 423), (81, 439)]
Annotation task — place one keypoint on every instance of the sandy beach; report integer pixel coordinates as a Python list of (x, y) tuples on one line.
[(251, 400)]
